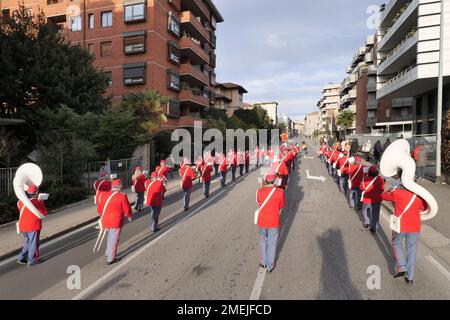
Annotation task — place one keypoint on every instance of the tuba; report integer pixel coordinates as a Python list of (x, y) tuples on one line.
[(26, 175), (397, 156)]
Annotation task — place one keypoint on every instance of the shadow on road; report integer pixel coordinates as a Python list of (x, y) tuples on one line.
[(335, 280)]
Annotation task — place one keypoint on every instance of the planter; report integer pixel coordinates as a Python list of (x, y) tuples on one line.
[(447, 178)]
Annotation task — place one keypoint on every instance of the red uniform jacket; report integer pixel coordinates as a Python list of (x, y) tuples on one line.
[(279, 167), (247, 157), (335, 157), (356, 176), (28, 222), (187, 175), (340, 165), (206, 172), (373, 193), (269, 216), (116, 209), (139, 183), (232, 159), (223, 165), (155, 191), (162, 171), (410, 221)]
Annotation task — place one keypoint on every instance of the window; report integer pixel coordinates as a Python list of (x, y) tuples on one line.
[(134, 12), (106, 49), (91, 21), (174, 24), (371, 114), (134, 42), (213, 78), (174, 108), (173, 80), (75, 23), (91, 48), (174, 52), (134, 73), (108, 75), (107, 19)]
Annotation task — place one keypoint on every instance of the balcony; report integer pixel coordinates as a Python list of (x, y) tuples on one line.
[(193, 75), (399, 81), (396, 33), (192, 50), (390, 10), (349, 69), (194, 27), (402, 102), (368, 57), (345, 99), (370, 40), (192, 97), (197, 7), (401, 55), (358, 57), (352, 94), (402, 117)]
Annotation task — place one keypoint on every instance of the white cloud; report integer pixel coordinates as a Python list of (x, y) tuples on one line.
[(274, 41)]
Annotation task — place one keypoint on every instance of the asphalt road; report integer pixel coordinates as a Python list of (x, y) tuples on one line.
[(212, 252)]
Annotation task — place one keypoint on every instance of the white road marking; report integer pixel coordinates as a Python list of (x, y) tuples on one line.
[(137, 253), (308, 176), (439, 267), (311, 158), (259, 282)]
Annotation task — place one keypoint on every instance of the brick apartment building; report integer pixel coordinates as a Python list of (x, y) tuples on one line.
[(166, 45)]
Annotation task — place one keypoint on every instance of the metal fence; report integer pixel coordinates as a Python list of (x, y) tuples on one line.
[(6, 181), (124, 168)]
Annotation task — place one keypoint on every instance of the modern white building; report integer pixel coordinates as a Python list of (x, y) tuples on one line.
[(329, 106), (408, 53), (272, 110)]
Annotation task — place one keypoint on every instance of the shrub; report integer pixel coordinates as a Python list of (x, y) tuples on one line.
[(61, 195), (8, 209)]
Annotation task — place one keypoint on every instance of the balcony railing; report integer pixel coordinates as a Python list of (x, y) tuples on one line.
[(410, 40), (189, 121), (188, 70), (405, 14), (400, 80), (195, 50), (193, 96), (402, 102), (193, 26)]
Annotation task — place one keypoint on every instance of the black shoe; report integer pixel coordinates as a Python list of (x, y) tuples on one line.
[(372, 231), (114, 261), (21, 262), (186, 209), (262, 266), (269, 271), (408, 281), (400, 275), (156, 230), (365, 226)]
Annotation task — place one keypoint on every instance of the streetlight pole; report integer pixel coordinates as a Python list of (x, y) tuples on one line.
[(440, 100)]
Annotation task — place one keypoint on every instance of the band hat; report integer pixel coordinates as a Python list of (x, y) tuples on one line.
[(163, 162), (116, 183), (373, 169), (270, 178), (154, 174), (358, 159), (138, 168), (32, 189)]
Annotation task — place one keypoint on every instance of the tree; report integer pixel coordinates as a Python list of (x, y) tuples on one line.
[(346, 119), (9, 146), (39, 69), (446, 145), (147, 109)]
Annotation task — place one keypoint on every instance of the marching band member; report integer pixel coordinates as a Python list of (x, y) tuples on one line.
[(407, 207), (257, 155), (155, 195), (241, 162), (101, 186), (139, 188), (30, 226), (187, 176), (114, 206), (247, 161), (223, 167), (205, 178), (372, 187), (216, 162), (333, 160), (163, 170), (270, 200), (355, 176), (279, 168), (342, 166), (232, 163)]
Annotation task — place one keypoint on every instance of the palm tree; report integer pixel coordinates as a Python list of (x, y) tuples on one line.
[(147, 108)]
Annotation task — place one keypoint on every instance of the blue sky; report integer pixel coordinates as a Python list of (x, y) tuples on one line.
[(288, 50)]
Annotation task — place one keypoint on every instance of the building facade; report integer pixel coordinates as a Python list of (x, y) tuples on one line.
[(329, 106), (312, 124), (409, 54), (166, 45), (229, 97)]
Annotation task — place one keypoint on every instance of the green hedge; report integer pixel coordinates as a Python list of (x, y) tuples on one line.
[(8, 209)]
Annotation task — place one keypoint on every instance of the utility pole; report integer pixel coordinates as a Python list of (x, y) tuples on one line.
[(440, 100)]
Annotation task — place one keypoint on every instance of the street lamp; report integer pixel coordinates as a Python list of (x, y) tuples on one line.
[(440, 99)]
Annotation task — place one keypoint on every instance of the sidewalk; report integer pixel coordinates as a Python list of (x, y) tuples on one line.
[(61, 222)]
